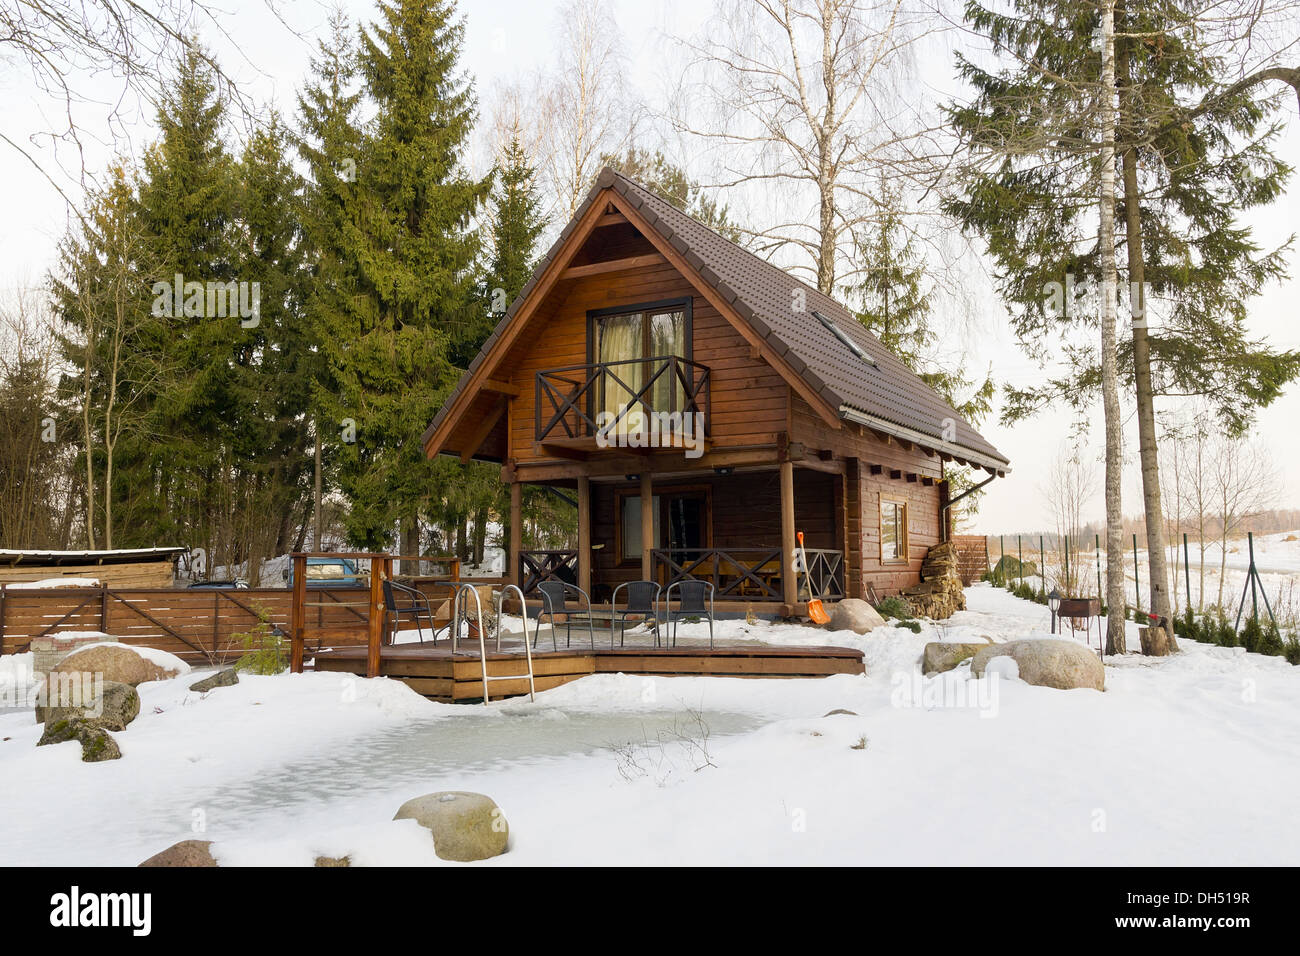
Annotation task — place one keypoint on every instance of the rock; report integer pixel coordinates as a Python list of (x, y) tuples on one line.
[(97, 744), (940, 594), (122, 664), (1047, 662), (222, 678), (939, 657), (333, 861), (112, 708), (465, 826), (838, 712), (853, 614), (185, 853)]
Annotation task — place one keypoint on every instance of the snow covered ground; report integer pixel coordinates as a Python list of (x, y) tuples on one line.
[(1182, 760)]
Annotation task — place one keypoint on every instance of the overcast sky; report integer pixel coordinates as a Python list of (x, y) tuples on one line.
[(506, 37)]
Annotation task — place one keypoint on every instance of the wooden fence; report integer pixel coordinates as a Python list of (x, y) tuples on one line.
[(199, 626), (972, 556)]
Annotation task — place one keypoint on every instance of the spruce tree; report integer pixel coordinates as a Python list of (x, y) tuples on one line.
[(187, 201), (416, 249)]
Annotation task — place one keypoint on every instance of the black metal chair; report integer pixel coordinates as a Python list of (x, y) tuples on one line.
[(402, 601), (691, 602), (642, 600), (555, 601)]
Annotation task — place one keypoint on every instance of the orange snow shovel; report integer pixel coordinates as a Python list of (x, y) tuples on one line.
[(815, 609)]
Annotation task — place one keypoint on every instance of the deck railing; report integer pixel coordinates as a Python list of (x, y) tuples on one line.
[(554, 565), (749, 573), (571, 400)]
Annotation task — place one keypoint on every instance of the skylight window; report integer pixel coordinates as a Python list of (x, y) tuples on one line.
[(852, 346)]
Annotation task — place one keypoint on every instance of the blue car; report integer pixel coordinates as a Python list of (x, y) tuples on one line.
[(331, 573)]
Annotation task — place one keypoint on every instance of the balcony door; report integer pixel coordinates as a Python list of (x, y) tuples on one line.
[(625, 341)]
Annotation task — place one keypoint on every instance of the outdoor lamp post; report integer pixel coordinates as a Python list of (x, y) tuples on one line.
[(1054, 605)]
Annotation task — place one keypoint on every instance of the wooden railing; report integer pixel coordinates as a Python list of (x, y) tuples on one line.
[(555, 565), (749, 573), (368, 607), (570, 399), (825, 573)]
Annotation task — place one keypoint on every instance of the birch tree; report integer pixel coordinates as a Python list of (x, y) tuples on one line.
[(805, 97)]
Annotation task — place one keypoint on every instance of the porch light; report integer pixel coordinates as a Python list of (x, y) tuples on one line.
[(723, 470), (632, 477), (1054, 605)]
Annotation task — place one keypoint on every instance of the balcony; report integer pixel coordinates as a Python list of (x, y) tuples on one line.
[(634, 405)]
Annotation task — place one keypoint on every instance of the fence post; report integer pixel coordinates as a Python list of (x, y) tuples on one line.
[(380, 569), (1097, 554), (1065, 555), (296, 622), (1020, 557), (1042, 565)]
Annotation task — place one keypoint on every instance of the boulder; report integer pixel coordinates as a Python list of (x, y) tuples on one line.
[(112, 708), (853, 614), (185, 853), (333, 861), (222, 678), (1047, 662), (122, 663), (97, 744), (939, 657), (465, 826)]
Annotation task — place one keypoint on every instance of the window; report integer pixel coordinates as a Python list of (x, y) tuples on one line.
[(682, 518), (626, 336), (893, 529), (630, 524)]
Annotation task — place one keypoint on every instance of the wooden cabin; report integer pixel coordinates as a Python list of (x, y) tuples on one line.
[(702, 406)]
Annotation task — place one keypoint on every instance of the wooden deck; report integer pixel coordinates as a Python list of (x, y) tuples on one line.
[(434, 671)]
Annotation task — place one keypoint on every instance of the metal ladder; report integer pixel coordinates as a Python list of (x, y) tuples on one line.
[(460, 608)]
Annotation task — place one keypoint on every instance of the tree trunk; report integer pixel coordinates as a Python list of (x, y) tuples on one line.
[(316, 496), (826, 249), (1157, 567), (411, 544), (1115, 599), (480, 535)]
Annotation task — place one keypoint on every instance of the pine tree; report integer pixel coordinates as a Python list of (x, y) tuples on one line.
[(100, 292), (329, 143), (413, 240), (275, 364), (657, 173), (517, 223), (187, 202)]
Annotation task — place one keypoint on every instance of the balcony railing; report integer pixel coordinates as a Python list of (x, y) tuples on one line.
[(750, 573), (664, 393)]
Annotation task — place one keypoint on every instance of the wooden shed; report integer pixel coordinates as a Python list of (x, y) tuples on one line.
[(120, 568)]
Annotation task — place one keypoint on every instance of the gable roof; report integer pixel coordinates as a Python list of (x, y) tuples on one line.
[(886, 395)]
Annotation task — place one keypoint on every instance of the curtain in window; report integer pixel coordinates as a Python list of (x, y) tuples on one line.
[(668, 337), (620, 338)]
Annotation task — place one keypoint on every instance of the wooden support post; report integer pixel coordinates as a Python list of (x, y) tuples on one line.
[(789, 589), (380, 570), (513, 563), (647, 526), (584, 534), (296, 612)]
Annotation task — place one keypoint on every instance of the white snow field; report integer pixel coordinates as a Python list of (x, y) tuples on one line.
[(1183, 760)]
